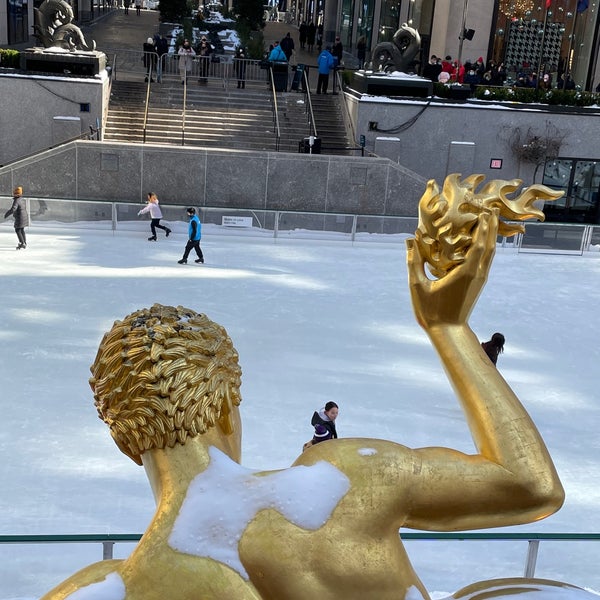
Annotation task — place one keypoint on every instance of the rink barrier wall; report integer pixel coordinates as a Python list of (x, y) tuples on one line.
[(118, 171), (548, 238), (533, 541)]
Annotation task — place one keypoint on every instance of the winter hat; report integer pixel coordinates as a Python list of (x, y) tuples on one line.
[(321, 434), (150, 41), (18, 191)]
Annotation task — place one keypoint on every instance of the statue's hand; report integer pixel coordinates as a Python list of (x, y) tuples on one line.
[(450, 299)]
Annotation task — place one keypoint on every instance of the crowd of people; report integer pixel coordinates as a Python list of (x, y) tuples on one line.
[(491, 73)]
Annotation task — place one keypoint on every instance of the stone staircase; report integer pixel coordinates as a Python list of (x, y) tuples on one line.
[(240, 119)]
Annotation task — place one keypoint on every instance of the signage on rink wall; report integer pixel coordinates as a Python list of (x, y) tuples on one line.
[(229, 221)]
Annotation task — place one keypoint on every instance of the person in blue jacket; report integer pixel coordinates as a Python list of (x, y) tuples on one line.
[(326, 62), (194, 235), (277, 54)]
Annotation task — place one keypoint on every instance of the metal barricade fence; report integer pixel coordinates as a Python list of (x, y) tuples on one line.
[(130, 63)]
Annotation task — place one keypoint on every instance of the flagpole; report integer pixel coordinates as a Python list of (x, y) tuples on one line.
[(538, 78), (461, 37)]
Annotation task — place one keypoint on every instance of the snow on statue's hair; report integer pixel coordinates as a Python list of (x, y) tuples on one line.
[(164, 374)]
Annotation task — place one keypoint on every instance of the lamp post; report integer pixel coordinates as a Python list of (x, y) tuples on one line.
[(541, 60), (461, 37)]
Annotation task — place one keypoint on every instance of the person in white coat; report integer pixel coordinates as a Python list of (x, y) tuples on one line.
[(186, 56), (155, 214)]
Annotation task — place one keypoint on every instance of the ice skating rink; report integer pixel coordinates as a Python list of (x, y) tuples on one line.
[(313, 320)]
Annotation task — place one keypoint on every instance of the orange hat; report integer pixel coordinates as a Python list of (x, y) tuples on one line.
[(18, 191)]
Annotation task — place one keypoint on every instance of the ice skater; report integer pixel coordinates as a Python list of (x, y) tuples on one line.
[(156, 214), (194, 235), (494, 347), (21, 216)]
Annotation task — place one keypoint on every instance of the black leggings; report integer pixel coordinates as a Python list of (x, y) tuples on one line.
[(20, 231), (156, 223)]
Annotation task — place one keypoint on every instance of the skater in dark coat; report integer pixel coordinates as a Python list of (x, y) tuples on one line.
[(326, 416), (494, 346), (21, 216)]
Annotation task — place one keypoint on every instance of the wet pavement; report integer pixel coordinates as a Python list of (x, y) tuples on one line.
[(119, 30)]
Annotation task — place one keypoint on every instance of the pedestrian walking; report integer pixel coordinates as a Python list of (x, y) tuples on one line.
[(149, 59), (311, 32), (186, 55), (194, 237), (138, 7), (204, 53), (361, 50), (155, 214), (303, 30), (162, 48), (240, 67), (326, 62), (20, 215), (287, 45)]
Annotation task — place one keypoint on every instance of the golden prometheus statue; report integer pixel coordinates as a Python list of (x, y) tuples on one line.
[(166, 381)]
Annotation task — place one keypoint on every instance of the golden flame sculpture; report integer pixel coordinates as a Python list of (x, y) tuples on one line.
[(166, 381)]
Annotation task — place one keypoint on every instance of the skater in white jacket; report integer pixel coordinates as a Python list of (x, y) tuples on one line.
[(155, 213)]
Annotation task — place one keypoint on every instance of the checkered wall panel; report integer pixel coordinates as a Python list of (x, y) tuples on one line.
[(524, 44)]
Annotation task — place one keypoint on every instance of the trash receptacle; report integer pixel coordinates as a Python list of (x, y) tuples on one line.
[(308, 148), (280, 75)]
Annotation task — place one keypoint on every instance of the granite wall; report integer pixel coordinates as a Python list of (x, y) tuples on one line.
[(90, 170), (434, 138), (37, 112)]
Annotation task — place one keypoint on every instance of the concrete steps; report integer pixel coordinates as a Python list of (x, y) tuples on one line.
[(217, 117)]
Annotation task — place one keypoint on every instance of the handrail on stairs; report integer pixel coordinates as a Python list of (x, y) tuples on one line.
[(146, 107), (312, 127), (183, 112), (275, 110), (345, 111)]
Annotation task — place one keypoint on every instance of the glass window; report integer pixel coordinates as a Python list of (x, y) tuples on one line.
[(365, 20), (346, 23), (388, 20), (580, 180)]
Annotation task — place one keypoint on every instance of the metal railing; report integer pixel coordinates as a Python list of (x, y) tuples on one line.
[(149, 78), (312, 126), (533, 540), (275, 110), (548, 238), (221, 67)]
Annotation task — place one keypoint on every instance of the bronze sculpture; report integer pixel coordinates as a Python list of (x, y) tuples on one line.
[(54, 27), (166, 380), (399, 54)]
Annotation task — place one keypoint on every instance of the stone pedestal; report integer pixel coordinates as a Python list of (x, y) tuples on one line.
[(53, 60), (383, 84)]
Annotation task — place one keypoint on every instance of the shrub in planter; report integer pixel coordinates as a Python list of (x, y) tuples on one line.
[(10, 59)]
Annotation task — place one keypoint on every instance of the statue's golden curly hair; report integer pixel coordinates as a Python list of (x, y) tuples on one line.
[(164, 374)]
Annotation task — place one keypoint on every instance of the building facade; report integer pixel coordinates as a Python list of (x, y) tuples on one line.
[(548, 36)]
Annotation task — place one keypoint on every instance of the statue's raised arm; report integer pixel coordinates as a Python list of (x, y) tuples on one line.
[(511, 479)]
